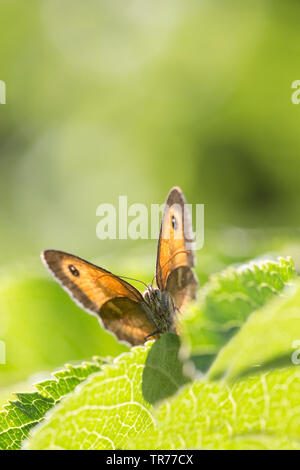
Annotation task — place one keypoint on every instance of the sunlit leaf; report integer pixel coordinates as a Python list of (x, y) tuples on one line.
[(227, 300), (22, 414)]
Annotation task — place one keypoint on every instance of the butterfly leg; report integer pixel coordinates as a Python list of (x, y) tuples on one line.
[(152, 334)]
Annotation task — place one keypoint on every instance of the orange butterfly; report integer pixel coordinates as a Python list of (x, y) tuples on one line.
[(120, 307)]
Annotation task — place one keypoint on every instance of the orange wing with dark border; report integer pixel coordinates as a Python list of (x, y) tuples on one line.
[(118, 304), (175, 254)]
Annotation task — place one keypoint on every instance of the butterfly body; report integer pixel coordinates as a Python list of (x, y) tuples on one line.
[(162, 309), (119, 306)]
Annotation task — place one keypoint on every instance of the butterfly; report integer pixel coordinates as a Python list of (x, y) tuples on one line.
[(122, 309)]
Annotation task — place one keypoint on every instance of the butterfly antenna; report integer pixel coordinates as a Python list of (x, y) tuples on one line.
[(173, 256), (132, 279), (122, 277)]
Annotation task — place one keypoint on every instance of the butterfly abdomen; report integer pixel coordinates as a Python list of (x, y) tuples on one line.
[(162, 309)]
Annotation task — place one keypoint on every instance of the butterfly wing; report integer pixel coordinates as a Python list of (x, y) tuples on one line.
[(175, 254), (127, 320), (117, 303), (182, 284)]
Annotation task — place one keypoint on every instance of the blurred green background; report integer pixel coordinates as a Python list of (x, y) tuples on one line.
[(109, 98)]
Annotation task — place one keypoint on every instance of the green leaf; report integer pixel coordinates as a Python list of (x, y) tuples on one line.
[(103, 413), (225, 303), (20, 416), (163, 374), (113, 409), (114, 406), (266, 340), (258, 412)]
